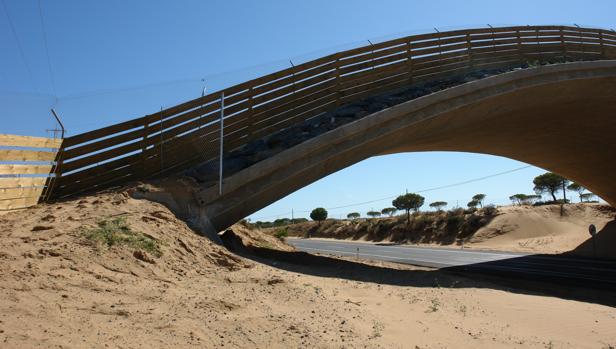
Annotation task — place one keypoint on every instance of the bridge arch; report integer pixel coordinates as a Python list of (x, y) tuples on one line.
[(558, 117), (524, 114)]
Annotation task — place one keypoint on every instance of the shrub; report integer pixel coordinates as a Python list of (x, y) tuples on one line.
[(490, 210), (281, 234), (454, 222), (117, 232)]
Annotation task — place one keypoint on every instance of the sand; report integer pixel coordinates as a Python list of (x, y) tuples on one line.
[(541, 229), (60, 291)]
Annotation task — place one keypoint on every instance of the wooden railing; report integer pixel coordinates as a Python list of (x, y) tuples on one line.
[(184, 135), (26, 169)]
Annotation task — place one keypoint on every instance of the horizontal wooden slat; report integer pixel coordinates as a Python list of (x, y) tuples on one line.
[(26, 155), (13, 204), (14, 169), (8, 140), (16, 182), (15, 193)]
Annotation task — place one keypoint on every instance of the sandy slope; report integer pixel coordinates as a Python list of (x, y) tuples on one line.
[(59, 291), (541, 229)]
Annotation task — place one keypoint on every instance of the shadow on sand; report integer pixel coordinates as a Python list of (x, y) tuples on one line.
[(481, 275)]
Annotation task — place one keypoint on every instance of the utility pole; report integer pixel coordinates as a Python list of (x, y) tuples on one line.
[(222, 135)]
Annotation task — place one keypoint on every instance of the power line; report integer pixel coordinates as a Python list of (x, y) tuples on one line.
[(53, 82), (21, 51), (417, 191)]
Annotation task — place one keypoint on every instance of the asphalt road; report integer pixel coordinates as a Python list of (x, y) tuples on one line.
[(560, 269)]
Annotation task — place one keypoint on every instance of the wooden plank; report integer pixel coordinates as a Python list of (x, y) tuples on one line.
[(17, 182), (15, 193), (13, 204), (8, 140), (138, 133), (274, 109), (371, 56), (15, 169), (374, 64), (138, 122), (26, 155)]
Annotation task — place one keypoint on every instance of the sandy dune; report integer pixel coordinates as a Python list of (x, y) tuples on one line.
[(542, 229), (61, 291)]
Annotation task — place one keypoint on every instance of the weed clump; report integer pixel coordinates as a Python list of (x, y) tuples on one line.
[(116, 232)]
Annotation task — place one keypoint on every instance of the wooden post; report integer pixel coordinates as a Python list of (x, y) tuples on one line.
[(409, 61), (162, 160), (144, 147), (338, 92), (222, 138), (470, 52), (562, 41), (520, 53), (251, 126)]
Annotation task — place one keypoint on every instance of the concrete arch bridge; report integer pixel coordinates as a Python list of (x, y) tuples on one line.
[(544, 95)]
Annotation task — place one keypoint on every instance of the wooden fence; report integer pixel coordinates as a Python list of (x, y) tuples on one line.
[(26, 167), (179, 137)]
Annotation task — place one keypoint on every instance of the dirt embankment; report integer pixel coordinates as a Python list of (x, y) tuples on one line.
[(109, 271), (539, 229)]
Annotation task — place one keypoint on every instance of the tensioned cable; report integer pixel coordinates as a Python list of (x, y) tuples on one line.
[(418, 191), (21, 51), (53, 82)]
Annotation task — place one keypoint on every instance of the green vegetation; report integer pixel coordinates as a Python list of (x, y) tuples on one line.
[(578, 188), (279, 222), (319, 214), (282, 233), (373, 214), (438, 205), (550, 183), (473, 204), (116, 232), (408, 202), (479, 199), (523, 199), (353, 215), (390, 211)]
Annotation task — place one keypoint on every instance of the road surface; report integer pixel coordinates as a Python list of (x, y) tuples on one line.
[(551, 268)]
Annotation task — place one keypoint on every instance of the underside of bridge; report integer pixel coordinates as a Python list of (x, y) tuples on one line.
[(559, 117)]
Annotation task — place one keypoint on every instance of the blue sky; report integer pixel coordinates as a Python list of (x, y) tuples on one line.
[(115, 60)]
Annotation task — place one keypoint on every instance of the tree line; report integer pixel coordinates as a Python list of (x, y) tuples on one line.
[(550, 184)]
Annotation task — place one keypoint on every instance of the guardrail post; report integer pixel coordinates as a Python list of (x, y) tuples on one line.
[(470, 52), (338, 92), (601, 44), (371, 54), (162, 159), (409, 60), (144, 147), (251, 126), (582, 48), (293, 82), (440, 50), (519, 45), (222, 137), (562, 41)]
